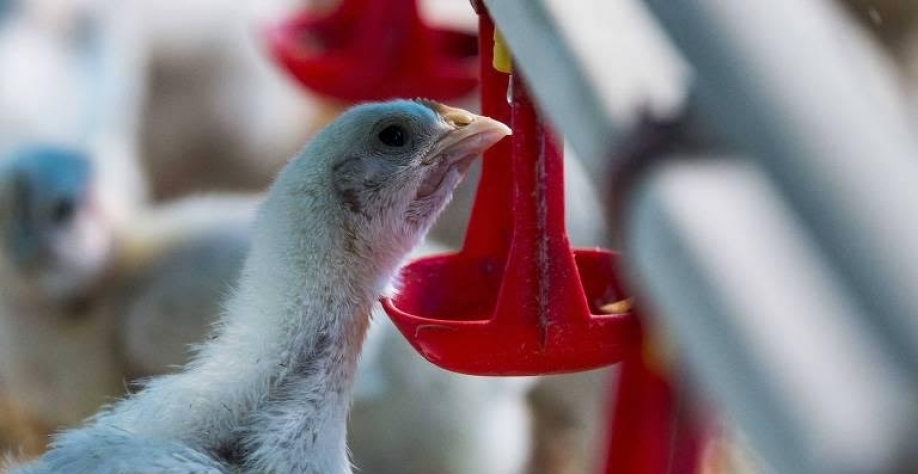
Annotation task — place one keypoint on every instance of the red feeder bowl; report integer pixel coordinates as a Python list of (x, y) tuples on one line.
[(516, 300), (374, 50)]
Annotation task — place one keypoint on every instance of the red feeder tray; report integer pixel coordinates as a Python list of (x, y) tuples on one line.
[(516, 300), (374, 50)]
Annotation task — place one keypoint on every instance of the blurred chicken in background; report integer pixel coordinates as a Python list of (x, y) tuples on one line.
[(56, 252), (70, 76), (178, 261), (76, 290)]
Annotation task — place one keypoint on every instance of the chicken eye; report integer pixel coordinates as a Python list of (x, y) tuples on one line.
[(393, 135)]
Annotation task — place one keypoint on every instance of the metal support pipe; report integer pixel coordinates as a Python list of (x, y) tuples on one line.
[(790, 81), (593, 64), (764, 322)]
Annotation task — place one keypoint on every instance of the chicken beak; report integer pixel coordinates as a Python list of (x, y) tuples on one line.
[(471, 135)]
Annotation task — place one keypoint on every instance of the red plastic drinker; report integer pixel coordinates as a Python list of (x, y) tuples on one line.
[(516, 300)]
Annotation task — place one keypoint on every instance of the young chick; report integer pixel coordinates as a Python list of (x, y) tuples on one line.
[(86, 304), (55, 249), (270, 392)]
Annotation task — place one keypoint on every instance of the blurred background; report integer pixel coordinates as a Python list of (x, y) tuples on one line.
[(135, 138)]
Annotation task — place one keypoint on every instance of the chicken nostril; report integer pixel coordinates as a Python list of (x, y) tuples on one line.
[(459, 118), (464, 121)]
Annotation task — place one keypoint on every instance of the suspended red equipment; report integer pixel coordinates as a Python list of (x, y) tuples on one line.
[(374, 50), (652, 427), (516, 300)]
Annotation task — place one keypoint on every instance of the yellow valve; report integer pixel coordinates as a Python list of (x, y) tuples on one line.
[(502, 61)]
